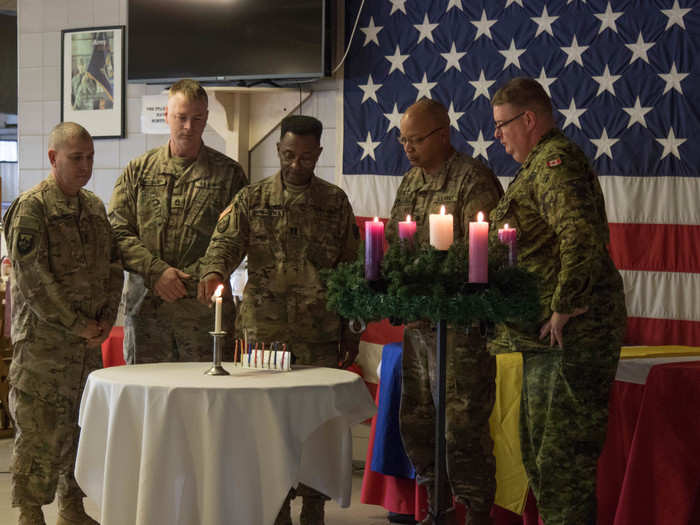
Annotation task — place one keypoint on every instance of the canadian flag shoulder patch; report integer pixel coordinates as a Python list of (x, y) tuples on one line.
[(554, 162)]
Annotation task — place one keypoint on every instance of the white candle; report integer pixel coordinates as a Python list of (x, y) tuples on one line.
[(217, 309), (441, 231)]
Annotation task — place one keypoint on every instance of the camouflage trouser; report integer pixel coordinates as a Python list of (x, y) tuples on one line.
[(470, 395), (164, 332), (563, 421), (46, 441)]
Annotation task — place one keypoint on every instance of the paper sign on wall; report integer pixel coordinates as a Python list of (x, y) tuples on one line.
[(153, 114)]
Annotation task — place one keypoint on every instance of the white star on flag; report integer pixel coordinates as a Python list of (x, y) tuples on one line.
[(512, 55), (670, 144), (398, 5), (572, 115), (482, 86), (454, 3), (604, 144), (519, 2), (574, 52), (425, 29), (546, 81), (544, 22), (454, 116), (637, 113), (606, 81), (607, 19), (371, 32), (370, 90), (453, 58), (394, 118), (396, 60), (424, 87), (480, 146), (673, 79), (675, 15), (368, 146), (639, 49), (483, 26)]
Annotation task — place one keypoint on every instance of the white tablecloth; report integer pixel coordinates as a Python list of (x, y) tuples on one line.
[(166, 444)]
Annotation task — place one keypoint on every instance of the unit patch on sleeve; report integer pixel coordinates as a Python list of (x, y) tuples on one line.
[(554, 162)]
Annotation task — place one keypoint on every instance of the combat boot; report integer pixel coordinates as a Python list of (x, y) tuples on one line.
[(312, 510), (284, 516), (72, 512), (448, 517), (30, 515), (478, 518)]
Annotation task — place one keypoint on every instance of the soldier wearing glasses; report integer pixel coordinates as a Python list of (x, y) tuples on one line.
[(570, 356), (291, 225), (441, 176)]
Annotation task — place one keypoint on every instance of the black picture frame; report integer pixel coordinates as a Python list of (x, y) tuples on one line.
[(93, 82)]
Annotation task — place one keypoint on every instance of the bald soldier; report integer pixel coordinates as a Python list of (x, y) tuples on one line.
[(67, 280), (163, 210), (570, 356), (291, 225), (440, 176)]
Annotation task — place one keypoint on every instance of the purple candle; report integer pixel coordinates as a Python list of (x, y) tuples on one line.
[(407, 230), (508, 237), (374, 248), (478, 250)]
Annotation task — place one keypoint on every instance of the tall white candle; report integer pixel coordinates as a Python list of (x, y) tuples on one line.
[(217, 307), (441, 231)]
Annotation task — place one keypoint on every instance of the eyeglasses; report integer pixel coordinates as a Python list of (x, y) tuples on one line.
[(414, 141), (307, 161), (499, 125)]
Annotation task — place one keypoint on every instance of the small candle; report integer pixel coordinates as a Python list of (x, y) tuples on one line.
[(217, 310), (374, 248), (508, 237), (478, 250), (441, 231), (407, 230)]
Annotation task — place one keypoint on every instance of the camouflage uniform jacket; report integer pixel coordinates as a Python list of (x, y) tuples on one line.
[(66, 271), (162, 220), (465, 186), (288, 240), (556, 203)]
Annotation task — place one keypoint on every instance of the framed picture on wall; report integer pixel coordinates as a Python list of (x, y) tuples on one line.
[(92, 79)]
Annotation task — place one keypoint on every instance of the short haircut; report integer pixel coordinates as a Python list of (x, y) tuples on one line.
[(524, 93), (66, 131), (301, 125), (433, 109), (190, 89)]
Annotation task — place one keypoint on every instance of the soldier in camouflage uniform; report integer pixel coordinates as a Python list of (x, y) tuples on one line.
[(570, 356), (441, 176), (291, 225), (67, 279), (163, 210)]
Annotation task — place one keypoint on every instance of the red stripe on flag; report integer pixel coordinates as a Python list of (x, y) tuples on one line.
[(655, 247), (658, 332), (382, 333)]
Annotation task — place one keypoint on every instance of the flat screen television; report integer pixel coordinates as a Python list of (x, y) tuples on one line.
[(227, 41)]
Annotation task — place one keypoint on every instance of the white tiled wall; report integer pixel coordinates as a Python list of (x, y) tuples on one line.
[(39, 48)]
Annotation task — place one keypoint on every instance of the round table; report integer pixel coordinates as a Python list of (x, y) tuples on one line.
[(165, 444)]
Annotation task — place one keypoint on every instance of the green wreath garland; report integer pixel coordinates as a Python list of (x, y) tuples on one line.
[(424, 283)]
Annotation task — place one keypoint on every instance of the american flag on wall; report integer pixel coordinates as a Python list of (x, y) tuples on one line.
[(624, 80)]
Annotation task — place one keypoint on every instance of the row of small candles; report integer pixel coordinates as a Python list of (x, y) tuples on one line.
[(441, 238)]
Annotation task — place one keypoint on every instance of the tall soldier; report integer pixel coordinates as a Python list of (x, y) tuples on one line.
[(291, 225), (163, 210), (67, 279), (441, 176), (556, 203)]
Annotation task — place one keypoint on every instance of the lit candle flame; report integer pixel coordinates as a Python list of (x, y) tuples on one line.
[(376, 219), (218, 292), (408, 218), (480, 217), (506, 226), (442, 210)]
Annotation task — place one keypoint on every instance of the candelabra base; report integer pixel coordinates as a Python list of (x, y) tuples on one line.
[(217, 370)]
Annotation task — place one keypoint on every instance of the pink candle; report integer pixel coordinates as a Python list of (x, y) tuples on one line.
[(508, 237), (441, 230), (478, 250), (374, 248), (407, 230)]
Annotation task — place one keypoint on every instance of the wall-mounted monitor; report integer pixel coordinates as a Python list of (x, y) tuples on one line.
[(227, 41)]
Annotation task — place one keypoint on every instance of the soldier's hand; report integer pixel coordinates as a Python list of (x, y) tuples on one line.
[(207, 286), (348, 353), (555, 326), (170, 287)]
